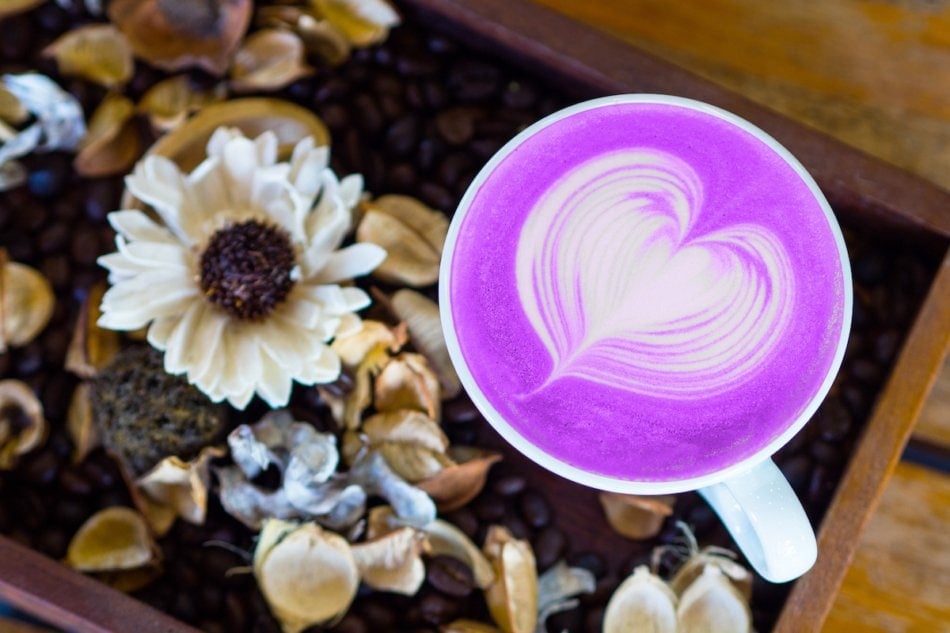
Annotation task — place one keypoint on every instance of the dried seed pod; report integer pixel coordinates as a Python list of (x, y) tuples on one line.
[(26, 303), (407, 382), (446, 539), (711, 604), (513, 597), (80, 423), (412, 235), (176, 34), (113, 539), (22, 425), (91, 347), (97, 52), (171, 101), (112, 143), (421, 315), (636, 516), (457, 484), (392, 562), (307, 575), (642, 602), (175, 488), (268, 60)]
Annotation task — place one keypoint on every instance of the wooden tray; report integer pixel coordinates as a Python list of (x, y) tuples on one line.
[(587, 63)]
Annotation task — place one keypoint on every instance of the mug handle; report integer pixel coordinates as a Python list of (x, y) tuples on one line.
[(766, 520)]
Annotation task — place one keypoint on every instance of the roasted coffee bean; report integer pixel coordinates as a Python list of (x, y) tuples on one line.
[(74, 483), (84, 246), (569, 620), (183, 607), (378, 616), (519, 95), (869, 268), (102, 475), (56, 269), (701, 517), (456, 125), (430, 153), (352, 623), (489, 508), (450, 576), (402, 136), (70, 513), (392, 106), (825, 453), (452, 168), (471, 80), (402, 178), (885, 345), (368, 116), (866, 371), (509, 485), (436, 609), (436, 196), (460, 409), (416, 65), (834, 421), (535, 509), (15, 35), (518, 528), (797, 470), (465, 520), (549, 546), (41, 468), (53, 542), (594, 620), (441, 45), (463, 434), (335, 116)]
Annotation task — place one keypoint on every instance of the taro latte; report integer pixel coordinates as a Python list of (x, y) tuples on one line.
[(645, 289)]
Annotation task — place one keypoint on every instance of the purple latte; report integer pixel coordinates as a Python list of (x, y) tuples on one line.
[(646, 291)]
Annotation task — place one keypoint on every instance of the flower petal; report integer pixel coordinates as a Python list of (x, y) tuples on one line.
[(352, 261), (157, 181), (135, 225)]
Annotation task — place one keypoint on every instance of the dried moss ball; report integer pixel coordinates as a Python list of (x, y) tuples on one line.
[(144, 414)]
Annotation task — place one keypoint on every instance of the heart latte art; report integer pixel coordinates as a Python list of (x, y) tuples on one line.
[(624, 290)]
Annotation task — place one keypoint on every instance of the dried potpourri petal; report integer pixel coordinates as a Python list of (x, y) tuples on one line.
[(307, 575), (112, 143), (446, 539), (26, 303), (698, 559), (468, 626), (558, 589), (113, 539), (22, 424), (97, 52), (408, 382), (513, 597), (421, 316), (318, 35), (392, 561), (269, 59), (711, 604), (636, 516), (461, 481), (362, 22), (642, 602), (171, 101), (91, 347), (175, 488), (176, 34), (80, 423)]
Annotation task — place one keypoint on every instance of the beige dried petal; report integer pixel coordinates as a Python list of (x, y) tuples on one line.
[(425, 221), (636, 516), (112, 143), (26, 303), (712, 604), (268, 60), (113, 539), (723, 560), (454, 486), (392, 562), (22, 425), (170, 102), (406, 426), (12, 7), (446, 539), (307, 575), (97, 52), (176, 34), (558, 588), (91, 347), (513, 597), (421, 315), (323, 39), (468, 626), (80, 423), (642, 602), (410, 259), (412, 462), (363, 22), (375, 339), (12, 109), (408, 382), (178, 487)]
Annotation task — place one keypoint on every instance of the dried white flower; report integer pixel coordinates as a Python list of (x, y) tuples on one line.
[(240, 284)]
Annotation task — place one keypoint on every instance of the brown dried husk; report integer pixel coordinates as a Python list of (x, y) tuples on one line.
[(112, 144), (446, 539), (636, 516), (269, 60), (97, 52), (175, 488), (513, 597), (12, 7), (723, 560), (80, 423), (455, 485), (642, 602), (171, 101), (91, 347)]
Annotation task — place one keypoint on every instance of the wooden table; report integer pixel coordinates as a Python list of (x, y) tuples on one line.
[(875, 74)]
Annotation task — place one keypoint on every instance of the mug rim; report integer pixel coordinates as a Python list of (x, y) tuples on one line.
[(557, 465)]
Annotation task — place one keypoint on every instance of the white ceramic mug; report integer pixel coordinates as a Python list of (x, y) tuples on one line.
[(746, 490)]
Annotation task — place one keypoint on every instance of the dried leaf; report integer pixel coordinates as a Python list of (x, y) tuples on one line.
[(468, 626), (116, 538), (307, 575), (97, 52), (112, 143), (392, 562), (26, 303), (169, 102), (636, 516), (407, 382), (711, 604), (457, 484), (445, 538), (362, 22), (642, 602), (412, 235), (513, 597), (268, 60), (91, 347), (12, 7), (421, 315), (22, 425), (179, 487), (80, 423), (176, 34)]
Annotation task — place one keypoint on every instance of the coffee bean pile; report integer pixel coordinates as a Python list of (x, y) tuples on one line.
[(418, 115)]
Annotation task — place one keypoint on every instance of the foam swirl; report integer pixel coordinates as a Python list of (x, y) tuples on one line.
[(622, 293)]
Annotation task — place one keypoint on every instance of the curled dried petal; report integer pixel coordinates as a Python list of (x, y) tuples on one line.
[(373, 340), (407, 382), (12, 109), (97, 52), (91, 347), (269, 60), (739, 576), (405, 426), (636, 516), (558, 586), (178, 488), (457, 484), (26, 303), (22, 425), (421, 315), (362, 22), (112, 143), (169, 102), (80, 423), (711, 604), (513, 597), (116, 538), (392, 562), (412, 235), (412, 462), (642, 602), (445, 538)]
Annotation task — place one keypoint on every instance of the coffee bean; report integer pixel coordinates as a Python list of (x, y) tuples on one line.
[(509, 485), (518, 528), (53, 542), (70, 513), (402, 178), (594, 620), (701, 517), (436, 196), (569, 620), (41, 468), (452, 168), (834, 421), (378, 616), (56, 269), (866, 371), (797, 470), (534, 509), (402, 136), (549, 546), (368, 116), (430, 153), (437, 609), (885, 345), (489, 508), (416, 65), (74, 483), (456, 125), (519, 95), (351, 623), (450, 576), (460, 409), (465, 520), (471, 80)]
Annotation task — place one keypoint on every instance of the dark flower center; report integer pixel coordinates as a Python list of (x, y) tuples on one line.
[(246, 269)]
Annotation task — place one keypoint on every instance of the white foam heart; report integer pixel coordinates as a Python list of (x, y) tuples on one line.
[(622, 293)]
